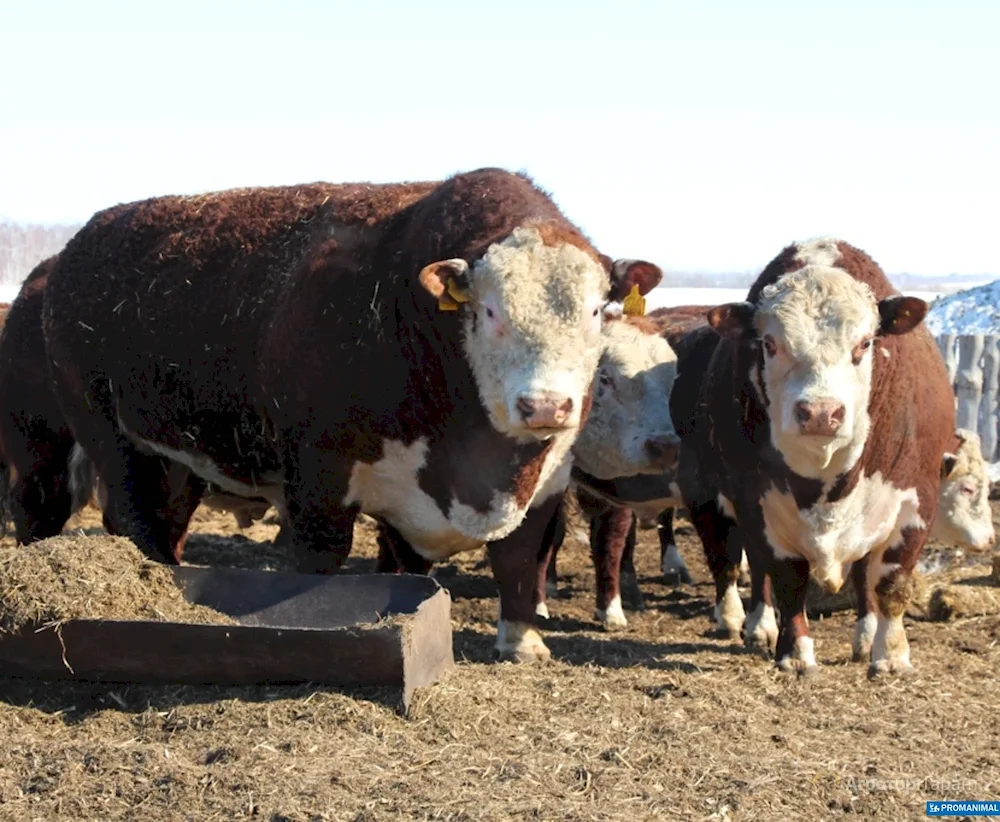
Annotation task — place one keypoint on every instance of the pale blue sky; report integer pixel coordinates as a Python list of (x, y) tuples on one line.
[(701, 135)]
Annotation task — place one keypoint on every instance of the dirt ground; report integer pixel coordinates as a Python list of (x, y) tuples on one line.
[(661, 721)]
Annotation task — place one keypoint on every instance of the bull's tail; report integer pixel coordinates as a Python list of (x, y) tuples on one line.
[(82, 478)]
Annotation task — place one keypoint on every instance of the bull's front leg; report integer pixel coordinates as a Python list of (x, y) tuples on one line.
[(672, 564), (761, 632), (519, 562), (320, 521), (890, 585), (609, 534), (555, 535), (789, 580)]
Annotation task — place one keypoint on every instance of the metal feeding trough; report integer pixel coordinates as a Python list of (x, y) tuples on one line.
[(346, 630)]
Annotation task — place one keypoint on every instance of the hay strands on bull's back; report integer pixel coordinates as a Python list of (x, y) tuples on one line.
[(383, 630)]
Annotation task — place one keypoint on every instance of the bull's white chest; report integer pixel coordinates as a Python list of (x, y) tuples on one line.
[(830, 534), (390, 488)]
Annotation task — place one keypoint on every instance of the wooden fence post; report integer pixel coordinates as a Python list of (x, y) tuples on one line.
[(969, 380), (988, 404), (946, 342)]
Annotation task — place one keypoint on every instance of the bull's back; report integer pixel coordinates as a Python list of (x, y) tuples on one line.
[(156, 309)]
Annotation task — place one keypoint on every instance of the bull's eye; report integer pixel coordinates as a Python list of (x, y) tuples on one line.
[(861, 348), (605, 380), (770, 346), (597, 311), (489, 312)]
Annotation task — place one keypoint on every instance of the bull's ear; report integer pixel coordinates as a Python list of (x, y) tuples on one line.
[(948, 464), (628, 273), (900, 315), (448, 280), (732, 320)]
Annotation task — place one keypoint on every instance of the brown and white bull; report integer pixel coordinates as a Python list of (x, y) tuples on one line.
[(818, 423), (420, 352)]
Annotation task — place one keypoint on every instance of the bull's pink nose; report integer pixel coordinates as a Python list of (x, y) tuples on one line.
[(820, 417), (662, 451), (545, 410)]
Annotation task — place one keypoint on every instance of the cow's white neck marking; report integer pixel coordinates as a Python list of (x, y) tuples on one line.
[(389, 488), (831, 534)]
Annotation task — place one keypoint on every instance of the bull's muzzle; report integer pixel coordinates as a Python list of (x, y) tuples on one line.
[(820, 418), (662, 451), (545, 410)]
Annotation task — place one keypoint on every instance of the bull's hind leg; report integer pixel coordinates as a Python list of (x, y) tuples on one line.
[(609, 535), (672, 564), (761, 631), (864, 627), (396, 555), (552, 540), (519, 561), (628, 581), (39, 500), (715, 529)]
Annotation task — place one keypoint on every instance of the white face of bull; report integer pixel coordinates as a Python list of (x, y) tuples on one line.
[(817, 328), (964, 514), (629, 430), (532, 331)]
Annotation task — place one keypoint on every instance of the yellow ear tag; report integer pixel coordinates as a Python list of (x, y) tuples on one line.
[(453, 295), (634, 305)]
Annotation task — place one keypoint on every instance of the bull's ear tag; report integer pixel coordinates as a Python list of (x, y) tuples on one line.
[(634, 304), (453, 296)]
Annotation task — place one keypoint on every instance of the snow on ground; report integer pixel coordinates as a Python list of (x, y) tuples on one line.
[(973, 311)]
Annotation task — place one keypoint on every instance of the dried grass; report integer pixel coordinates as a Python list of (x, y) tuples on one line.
[(71, 577), (663, 721)]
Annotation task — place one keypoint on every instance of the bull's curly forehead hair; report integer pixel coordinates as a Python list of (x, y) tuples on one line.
[(819, 295)]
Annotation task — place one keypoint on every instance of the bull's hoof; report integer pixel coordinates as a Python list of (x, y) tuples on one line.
[(864, 637), (890, 667), (799, 667), (631, 594), (727, 631), (762, 630), (672, 567), (542, 611), (612, 618), (520, 642)]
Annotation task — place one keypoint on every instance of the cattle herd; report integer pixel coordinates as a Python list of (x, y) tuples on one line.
[(447, 358)]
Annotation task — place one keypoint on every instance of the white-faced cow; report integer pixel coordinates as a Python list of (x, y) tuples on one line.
[(818, 423), (629, 433), (420, 352), (965, 516)]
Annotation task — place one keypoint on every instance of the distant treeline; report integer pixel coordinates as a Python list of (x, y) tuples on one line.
[(23, 246)]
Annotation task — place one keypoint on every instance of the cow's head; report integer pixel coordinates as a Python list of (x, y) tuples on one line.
[(629, 430), (964, 513), (816, 329), (532, 309)]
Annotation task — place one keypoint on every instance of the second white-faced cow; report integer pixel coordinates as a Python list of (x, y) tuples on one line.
[(420, 352), (818, 426), (965, 516), (629, 433)]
